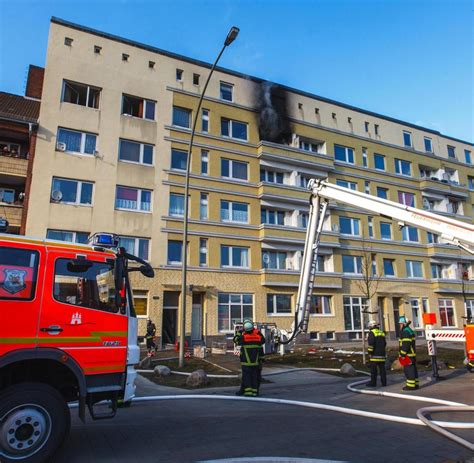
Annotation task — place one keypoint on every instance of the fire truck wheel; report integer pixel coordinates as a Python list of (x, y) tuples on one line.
[(34, 421)]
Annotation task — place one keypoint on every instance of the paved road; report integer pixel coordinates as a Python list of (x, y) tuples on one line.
[(195, 430)]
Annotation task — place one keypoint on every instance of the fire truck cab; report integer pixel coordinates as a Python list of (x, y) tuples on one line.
[(68, 333)]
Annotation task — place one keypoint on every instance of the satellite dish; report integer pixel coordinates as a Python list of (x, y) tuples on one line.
[(56, 195)]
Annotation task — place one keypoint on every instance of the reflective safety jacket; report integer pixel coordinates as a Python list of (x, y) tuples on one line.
[(150, 330), (407, 342), (251, 343), (377, 344)]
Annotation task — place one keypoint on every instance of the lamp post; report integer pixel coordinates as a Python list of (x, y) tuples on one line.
[(231, 36)]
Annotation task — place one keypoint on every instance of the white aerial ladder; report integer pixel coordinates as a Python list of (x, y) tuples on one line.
[(452, 231)]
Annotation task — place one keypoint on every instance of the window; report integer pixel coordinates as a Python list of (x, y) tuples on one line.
[(226, 91), (196, 79), (140, 302), (175, 250), (234, 256), (233, 129), (364, 157), (131, 151), (454, 206), (428, 145), (234, 169), (376, 129), (71, 191), (81, 94), (176, 205), (138, 107), (205, 120), (77, 142), (388, 267), (271, 176), (470, 182), (87, 284), (386, 230), (272, 217), (371, 226), (409, 233), (353, 307), (414, 269), (234, 212), (349, 226), (352, 264), (181, 117), (346, 184), (425, 304), (451, 152), (203, 252), (343, 154), (136, 246), (321, 263), (203, 203), (7, 195), (179, 75), (407, 139), (69, 236), (274, 260), (379, 161), (432, 238), (204, 162), (403, 167), (304, 180), (467, 155), (178, 159), (233, 308), (19, 273), (125, 57), (320, 305), (366, 125), (436, 271), (7, 148), (68, 41), (133, 199), (151, 64), (415, 313), (303, 219), (446, 313), (382, 192), (278, 304), (408, 199), (308, 146)]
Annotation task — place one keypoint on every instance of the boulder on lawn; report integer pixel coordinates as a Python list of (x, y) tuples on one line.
[(348, 370), (145, 364), (162, 370), (197, 378)]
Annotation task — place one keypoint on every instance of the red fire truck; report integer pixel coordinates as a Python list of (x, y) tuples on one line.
[(68, 333)]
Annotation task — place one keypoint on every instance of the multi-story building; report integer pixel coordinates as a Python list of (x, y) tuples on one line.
[(115, 124), (18, 126)]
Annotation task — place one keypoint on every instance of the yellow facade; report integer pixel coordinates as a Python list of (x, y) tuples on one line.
[(313, 121)]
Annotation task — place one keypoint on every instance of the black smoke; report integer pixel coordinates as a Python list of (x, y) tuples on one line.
[(273, 124)]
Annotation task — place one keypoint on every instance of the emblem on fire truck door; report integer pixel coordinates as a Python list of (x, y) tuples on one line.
[(76, 318), (14, 280)]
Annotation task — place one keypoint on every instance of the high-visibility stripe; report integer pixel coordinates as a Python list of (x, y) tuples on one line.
[(377, 360), (251, 346), (407, 339), (105, 367), (109, 333)]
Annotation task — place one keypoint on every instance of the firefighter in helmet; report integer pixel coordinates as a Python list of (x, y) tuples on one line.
[(250, 341), (407, 351), (377, 356), (150, 338)]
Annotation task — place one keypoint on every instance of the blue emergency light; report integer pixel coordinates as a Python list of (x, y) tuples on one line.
[(104, 240)]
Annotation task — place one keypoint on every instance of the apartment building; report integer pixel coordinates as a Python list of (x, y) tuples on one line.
[(18, 126), (115, 124)]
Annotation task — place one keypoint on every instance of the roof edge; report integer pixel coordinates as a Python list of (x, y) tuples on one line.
[(177, 56)]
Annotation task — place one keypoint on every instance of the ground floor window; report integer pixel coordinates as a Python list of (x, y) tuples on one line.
[(446, 313), (320, 305), (415, 313), (278, 304), (353, 307), (233, 308), (140, 302)]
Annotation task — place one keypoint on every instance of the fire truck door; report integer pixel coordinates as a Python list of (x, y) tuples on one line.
[(80, 315), (21, 281)]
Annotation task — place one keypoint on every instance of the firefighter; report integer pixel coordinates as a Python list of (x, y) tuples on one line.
[(150, 338), (250, 341), (377, 357), (407, 351)]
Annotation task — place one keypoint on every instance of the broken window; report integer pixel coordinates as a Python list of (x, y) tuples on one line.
[(138, 107)]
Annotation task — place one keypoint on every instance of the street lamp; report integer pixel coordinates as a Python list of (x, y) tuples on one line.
[(231, 36)]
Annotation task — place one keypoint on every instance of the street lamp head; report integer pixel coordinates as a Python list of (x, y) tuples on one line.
[(232, 35)]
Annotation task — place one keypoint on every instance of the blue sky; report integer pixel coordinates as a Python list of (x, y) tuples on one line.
[(409, 59)]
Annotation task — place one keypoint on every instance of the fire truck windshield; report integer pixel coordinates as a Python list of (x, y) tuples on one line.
[(86, 283)]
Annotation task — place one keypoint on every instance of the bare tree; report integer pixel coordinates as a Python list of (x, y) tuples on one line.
[(368, 284)]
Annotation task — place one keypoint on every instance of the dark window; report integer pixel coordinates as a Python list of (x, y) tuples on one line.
[(178, 159), (179, 74), (81, 94), (175, 249), (379, 162), (451, 151), (181, 117), (278, 304), (85, 283), (226, 91), (196, 79), (18, 273), (135, 152), (138, 107)]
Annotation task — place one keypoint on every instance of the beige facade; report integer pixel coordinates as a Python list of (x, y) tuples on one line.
[(238, 188)]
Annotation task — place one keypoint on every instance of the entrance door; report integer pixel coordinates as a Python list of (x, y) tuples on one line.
[(196, 319), (396, 314), (170, 317)]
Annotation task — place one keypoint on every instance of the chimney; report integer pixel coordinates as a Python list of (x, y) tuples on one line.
[(34, 84)]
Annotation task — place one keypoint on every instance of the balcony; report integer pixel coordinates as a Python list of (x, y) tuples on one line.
[(13, 165), (13, 213)]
